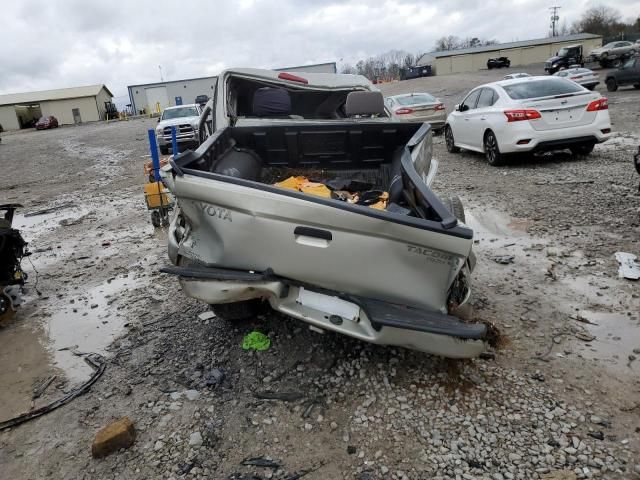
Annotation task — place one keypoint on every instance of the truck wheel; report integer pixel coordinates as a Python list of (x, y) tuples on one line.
[(448, 138), (612, 85), (454, 205), (580, 150), (492, 151), (237, 310), (164, 149)]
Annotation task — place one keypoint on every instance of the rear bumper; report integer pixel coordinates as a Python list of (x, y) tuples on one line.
[(376, 321), (557, 139)]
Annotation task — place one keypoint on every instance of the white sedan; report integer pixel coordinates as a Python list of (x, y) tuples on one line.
[(528, 115)]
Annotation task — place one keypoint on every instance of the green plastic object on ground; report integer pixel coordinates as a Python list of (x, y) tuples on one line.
[(256, 341)]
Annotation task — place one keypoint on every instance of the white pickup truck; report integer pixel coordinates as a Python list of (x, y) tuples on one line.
[(246, 233)]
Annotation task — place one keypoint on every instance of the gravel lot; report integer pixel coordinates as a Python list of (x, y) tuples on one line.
[(546, 404)]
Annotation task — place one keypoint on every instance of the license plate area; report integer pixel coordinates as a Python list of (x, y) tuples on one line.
[(328, 304)]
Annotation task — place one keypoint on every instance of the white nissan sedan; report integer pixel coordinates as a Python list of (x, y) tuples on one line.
[(532, 114)]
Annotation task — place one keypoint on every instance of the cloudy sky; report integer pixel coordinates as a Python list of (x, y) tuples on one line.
[(63, 43)]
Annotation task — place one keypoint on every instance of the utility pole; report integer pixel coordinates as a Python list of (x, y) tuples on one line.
[(160, 68), (554, 18)]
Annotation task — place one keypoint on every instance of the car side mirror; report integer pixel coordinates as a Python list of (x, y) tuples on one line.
[(457, 107)]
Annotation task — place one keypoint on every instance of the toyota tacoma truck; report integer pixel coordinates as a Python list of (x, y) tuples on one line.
[(305, 196)]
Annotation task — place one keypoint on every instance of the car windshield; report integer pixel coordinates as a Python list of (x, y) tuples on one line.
[(415, 99), (179, 112), (548, 87), (563, 52)]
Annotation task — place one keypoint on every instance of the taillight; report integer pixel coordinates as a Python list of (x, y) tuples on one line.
[(519, 115), (403, 111), (600, 104), (292, 78), (440, 106)]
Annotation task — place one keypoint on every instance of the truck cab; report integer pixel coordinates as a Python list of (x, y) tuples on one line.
[(565, 58)]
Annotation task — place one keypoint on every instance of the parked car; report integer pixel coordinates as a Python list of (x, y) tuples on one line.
[(627, 74), (511, 76), (582, 76), (612, 53), (44, 123), (528, 115), (185, 119), (564, 58), (245, 236), (498, 62), (418, 107)]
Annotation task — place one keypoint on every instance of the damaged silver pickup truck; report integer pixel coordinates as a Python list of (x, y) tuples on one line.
[(304, 194)]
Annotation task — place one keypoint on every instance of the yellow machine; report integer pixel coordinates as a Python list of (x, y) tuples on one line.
[(158, 199)]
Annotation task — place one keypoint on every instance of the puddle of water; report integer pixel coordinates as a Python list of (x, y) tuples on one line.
[(91, 324), (617, 334), (34, 226)]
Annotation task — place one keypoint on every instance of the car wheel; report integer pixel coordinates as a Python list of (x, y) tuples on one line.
[(164, 150), (582, 149), (454, 205), (492, 150), (612, 85), (237, 310), (448, 138)]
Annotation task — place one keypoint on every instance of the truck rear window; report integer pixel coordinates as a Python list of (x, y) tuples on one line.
[(542, 88)]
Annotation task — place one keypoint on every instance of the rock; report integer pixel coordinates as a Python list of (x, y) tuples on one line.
[(158, 445), (560, 475), (195, 439), (192, 394), (113, 437), (206, 315)]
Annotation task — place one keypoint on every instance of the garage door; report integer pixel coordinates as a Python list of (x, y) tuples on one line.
[(157, 99)]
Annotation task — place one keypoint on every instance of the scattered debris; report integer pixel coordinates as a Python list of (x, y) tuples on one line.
[(256, 341), (560, 475), (283, 396), (628, 267), (585, 336), (597, 435), (44, 211), (214, 377), (260, 462), (581, 319), (42, 387), (95, 361), (504, 259), (113, 437), (206, 315)]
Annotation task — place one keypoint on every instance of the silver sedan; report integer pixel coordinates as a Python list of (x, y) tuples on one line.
[(582, 76), (418, 107)]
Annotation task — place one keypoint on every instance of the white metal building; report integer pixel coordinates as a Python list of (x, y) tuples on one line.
[(68, 105), (329, 67), (520, 53), (155, 97)]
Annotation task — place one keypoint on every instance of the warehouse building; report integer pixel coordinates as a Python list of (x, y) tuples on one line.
[(68, 105), (520, 53), (155, 97)]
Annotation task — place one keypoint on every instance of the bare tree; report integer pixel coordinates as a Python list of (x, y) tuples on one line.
[(348, 68), (600, 20)]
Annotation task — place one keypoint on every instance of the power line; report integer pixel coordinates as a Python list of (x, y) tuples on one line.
[(554, 18)]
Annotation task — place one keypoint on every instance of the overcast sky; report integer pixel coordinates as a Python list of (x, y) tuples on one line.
[(65, 43)]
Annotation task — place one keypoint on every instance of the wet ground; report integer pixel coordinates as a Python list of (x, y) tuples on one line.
[(546, 231)]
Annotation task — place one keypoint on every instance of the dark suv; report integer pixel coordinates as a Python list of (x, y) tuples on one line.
[(627, 74)]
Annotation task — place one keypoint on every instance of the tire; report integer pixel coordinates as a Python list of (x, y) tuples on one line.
[(492, 151), (454, 205), (449, 140), (616, 63), (612, 85), (582, 150), (156, 218), (164, 149), (237, 310)]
